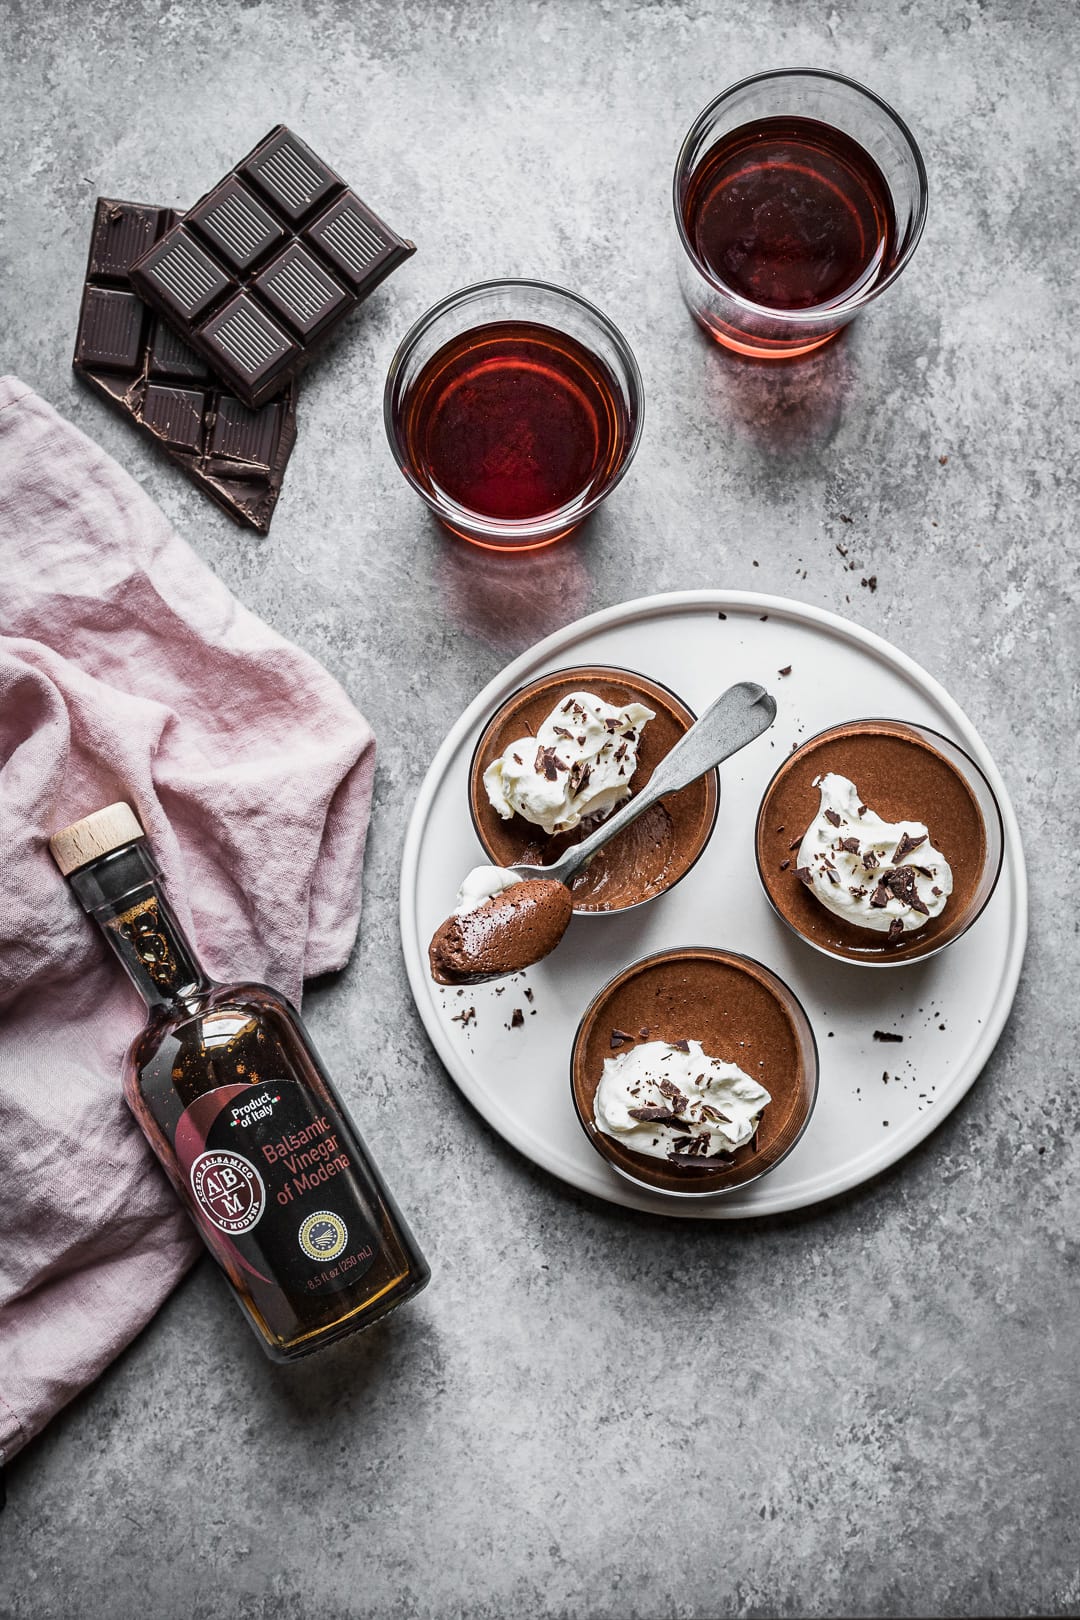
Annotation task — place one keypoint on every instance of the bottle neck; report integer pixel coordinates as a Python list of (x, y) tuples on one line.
[(122, 891)]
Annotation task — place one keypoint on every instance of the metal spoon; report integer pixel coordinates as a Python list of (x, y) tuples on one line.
[(737, 716)]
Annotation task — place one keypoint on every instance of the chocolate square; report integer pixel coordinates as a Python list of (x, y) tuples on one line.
[(234, 224), (170, 356), (175, 414), (243, 435), (184, 278), (288, 172), (352, 238), (122, 232), (110, 331), (301, 290), (248, 341)]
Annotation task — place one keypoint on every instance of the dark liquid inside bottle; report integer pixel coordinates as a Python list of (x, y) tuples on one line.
[(791, 213), (232, 1097)]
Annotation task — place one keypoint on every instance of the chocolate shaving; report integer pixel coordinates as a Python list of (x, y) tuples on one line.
[(561, 731), (906, 845), (833, 817), (619, 1037), (896, 929), (548, 763), (830, 872), (620, 752), (669, 1089), (850, 844), (795, 842), (804, 875), (880, 897), (886, 1035), (652, 1111), (784, 865)]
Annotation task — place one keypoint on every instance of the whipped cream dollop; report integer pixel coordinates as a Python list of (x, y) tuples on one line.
[(579, 764), (481, 884), (675, 1102), (881, 875)]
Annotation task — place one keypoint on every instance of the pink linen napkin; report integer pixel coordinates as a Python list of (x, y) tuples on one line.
[(129, 671)]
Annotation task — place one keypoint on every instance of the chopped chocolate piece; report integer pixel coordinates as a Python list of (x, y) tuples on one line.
[(831, 873), (653, 1111), (906, 845), (886, 1035), (466, 1017), (850, 844), (143, 370), (643, 1032), (619, 1037), (896, 929), (620, 752), (548, 763), (862, 809), (680, 1046), (517, 1018), (804, 875), (580, 774), (880, 897), (936, 891), (721, 615), (763, 617), (943, 461), (785, 671), (669, 1089), (265, 266), (528, 994), (870, 861), (784, 865), (795, 842), (841, 549), (561, 731), (833, 817)]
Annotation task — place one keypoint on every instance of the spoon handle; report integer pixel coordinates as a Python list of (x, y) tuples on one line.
[(737, 716)]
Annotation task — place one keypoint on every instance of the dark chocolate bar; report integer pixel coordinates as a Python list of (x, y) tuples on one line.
[(132, 357), (267, 265)]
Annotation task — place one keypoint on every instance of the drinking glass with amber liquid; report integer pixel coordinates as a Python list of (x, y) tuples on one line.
[(799, 198), (513, 408), (234, 1101)]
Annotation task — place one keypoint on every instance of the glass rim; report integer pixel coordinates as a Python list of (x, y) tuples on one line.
[(554, 522), (618, 669), (809, 1047), (895, 961), (818, 312)]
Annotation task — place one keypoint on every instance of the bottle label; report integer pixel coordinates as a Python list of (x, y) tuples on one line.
[(276, 1184)]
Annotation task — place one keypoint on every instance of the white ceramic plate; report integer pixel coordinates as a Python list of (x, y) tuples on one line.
[(949, 1010)]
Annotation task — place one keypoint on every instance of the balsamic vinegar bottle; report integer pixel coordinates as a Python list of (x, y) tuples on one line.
[(233, 1099)]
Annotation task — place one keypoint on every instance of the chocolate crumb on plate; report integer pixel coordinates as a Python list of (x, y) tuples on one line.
[(517, 1018), (785, 671), (886, 1035)]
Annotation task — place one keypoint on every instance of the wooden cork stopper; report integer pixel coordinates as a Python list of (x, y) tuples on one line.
[(94, 835)]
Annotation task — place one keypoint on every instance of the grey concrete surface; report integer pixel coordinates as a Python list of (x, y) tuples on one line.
[(869, 1408)]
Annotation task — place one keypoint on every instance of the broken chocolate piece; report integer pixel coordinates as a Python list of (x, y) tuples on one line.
[(906, 845)]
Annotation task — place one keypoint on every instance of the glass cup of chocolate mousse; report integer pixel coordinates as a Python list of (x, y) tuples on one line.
[(567, 749), (694, 1071), (879, 842)]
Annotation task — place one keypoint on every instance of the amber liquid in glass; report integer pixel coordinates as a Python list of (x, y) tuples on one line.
[(791, 213), (513, 421)]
